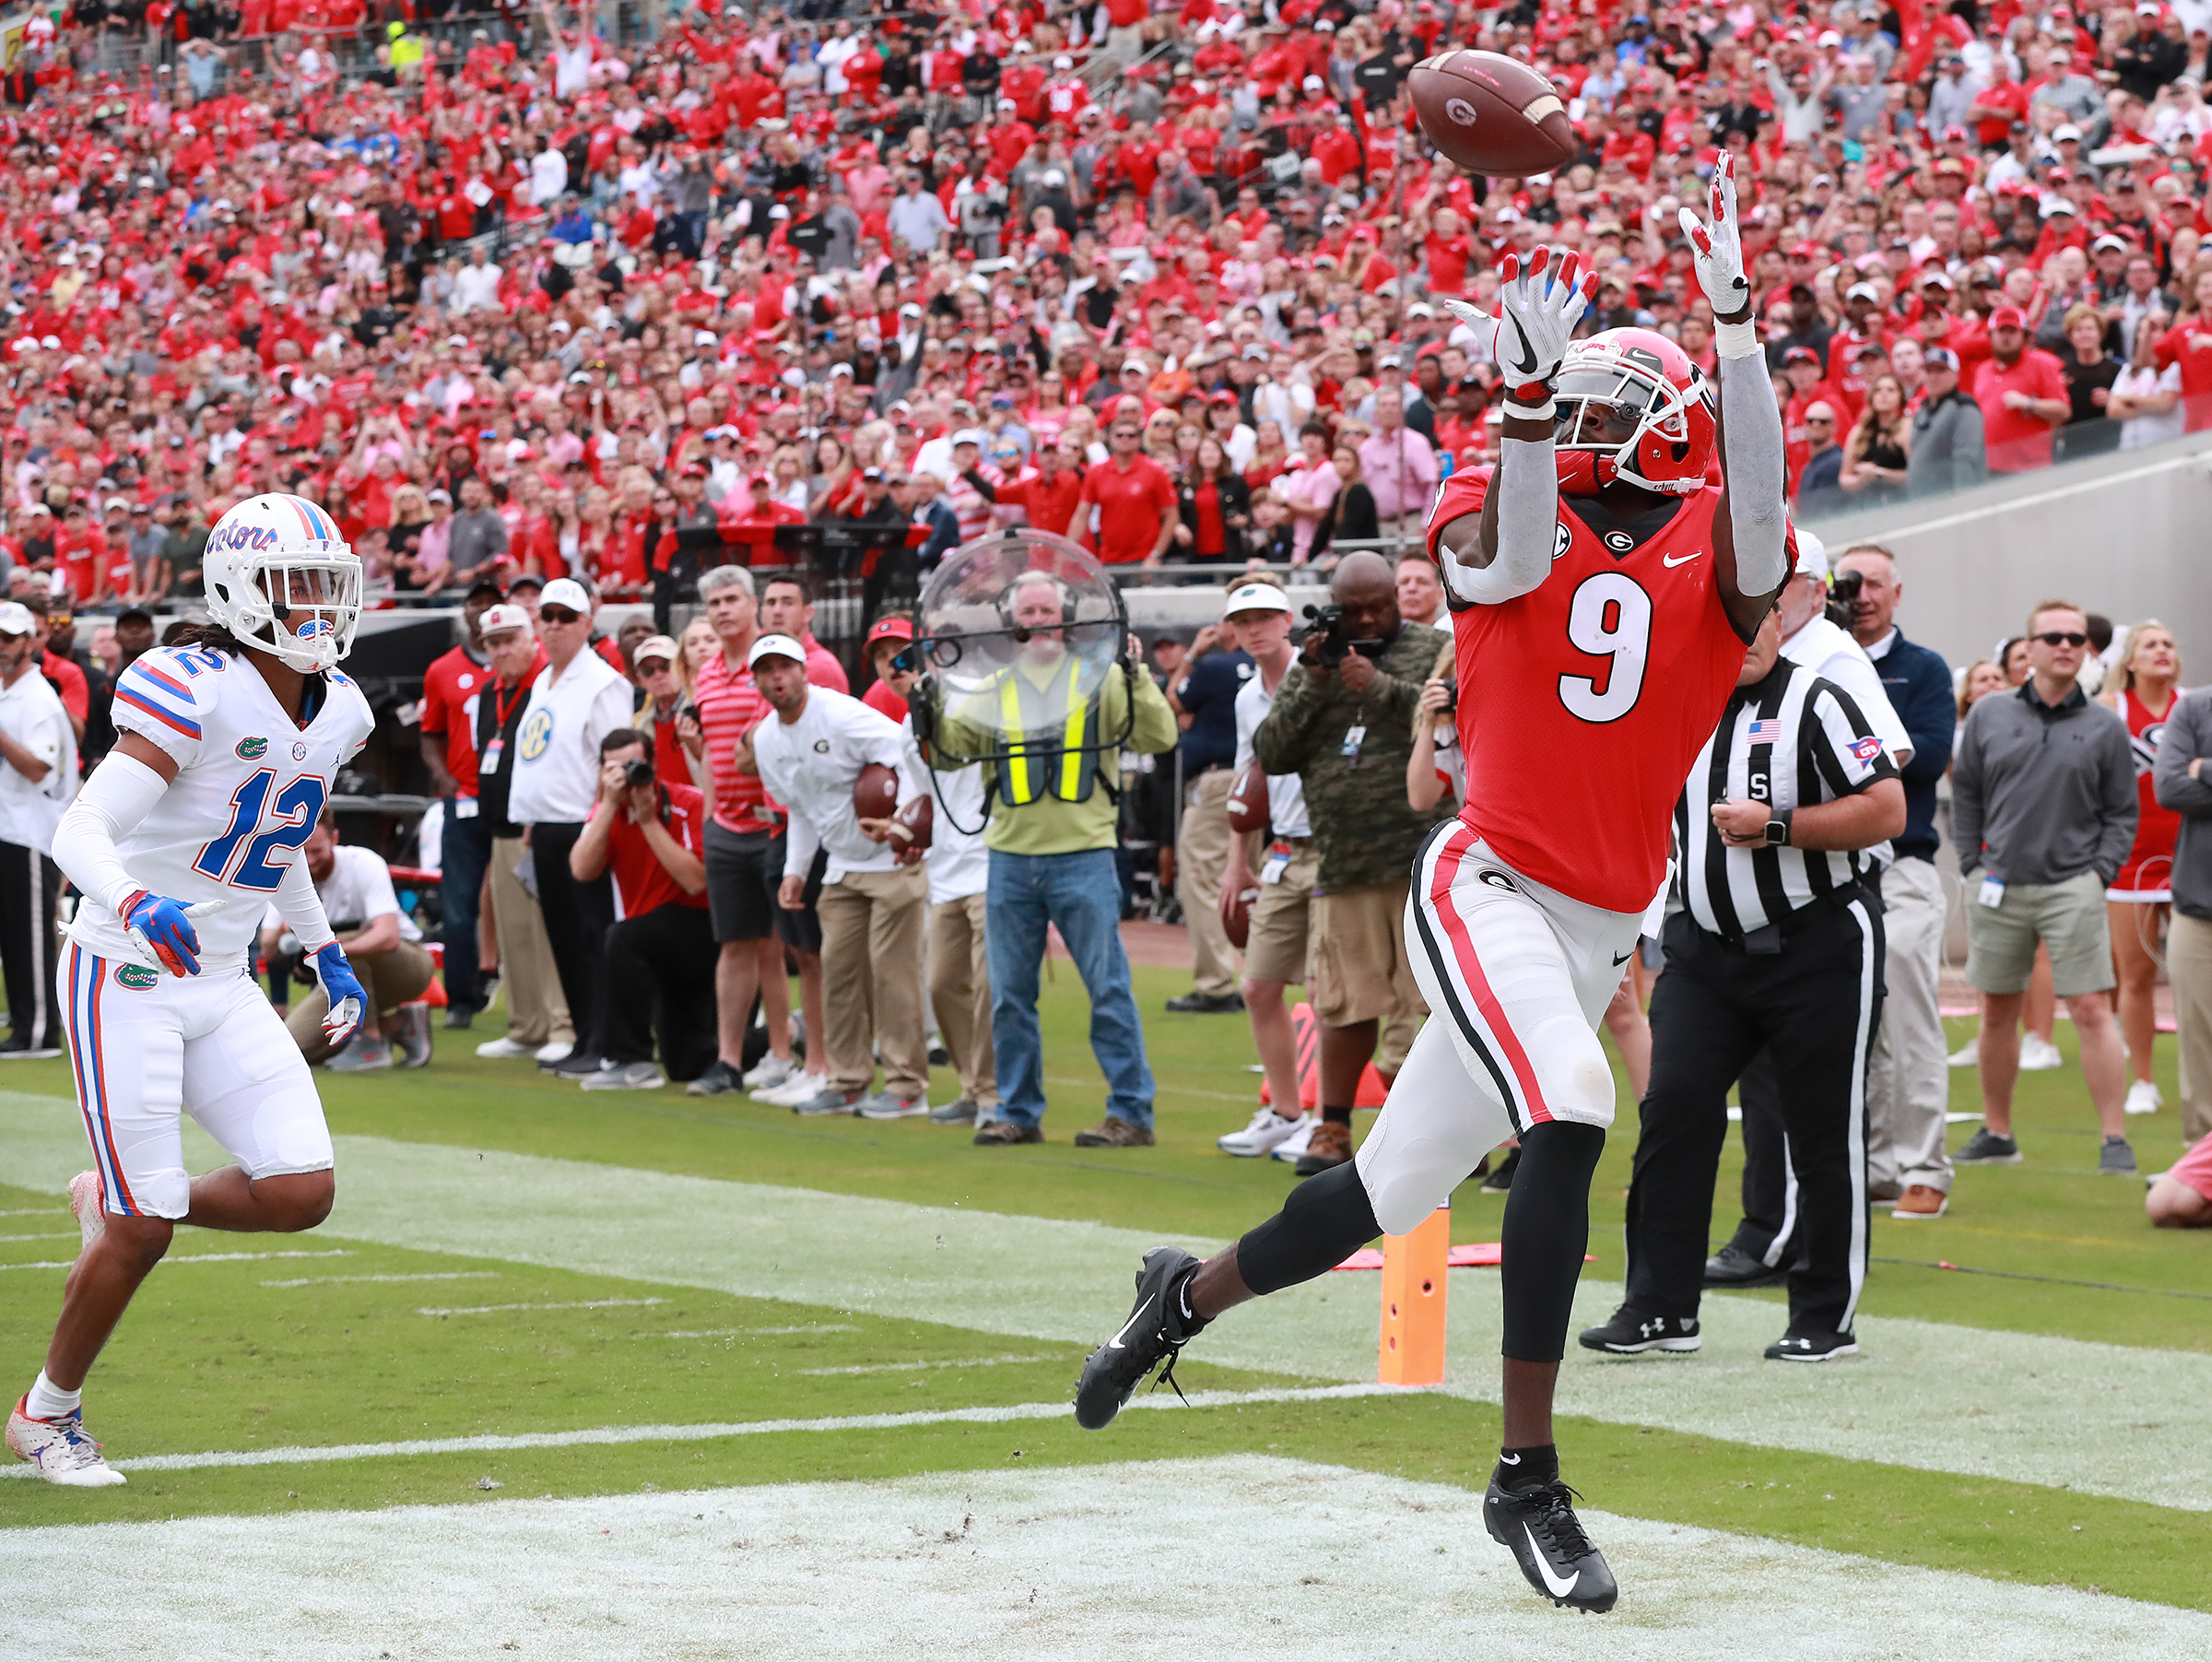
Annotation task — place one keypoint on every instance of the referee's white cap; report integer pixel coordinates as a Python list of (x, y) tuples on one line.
[(1812, 555), (1254, 597)]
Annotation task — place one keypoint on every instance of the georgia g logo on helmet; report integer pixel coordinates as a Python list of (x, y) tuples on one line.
[(281, 578)]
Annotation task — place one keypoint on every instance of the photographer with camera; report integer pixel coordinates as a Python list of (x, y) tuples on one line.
[(1342, 721), (660, 958)]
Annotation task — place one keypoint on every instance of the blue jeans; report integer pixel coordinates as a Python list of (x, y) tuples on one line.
[(1082, 894)]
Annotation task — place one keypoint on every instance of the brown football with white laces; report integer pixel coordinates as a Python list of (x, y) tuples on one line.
[(1493, 114)]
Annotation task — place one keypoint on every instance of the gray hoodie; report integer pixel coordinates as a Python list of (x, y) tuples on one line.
[(2188, 735)]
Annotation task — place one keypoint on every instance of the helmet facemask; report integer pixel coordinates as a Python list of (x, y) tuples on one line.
[(302, 604), (1607, 409)]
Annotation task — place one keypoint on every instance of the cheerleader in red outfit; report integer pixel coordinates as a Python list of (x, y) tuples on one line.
[(2143, 688)]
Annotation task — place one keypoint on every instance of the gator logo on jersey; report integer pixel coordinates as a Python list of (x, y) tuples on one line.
[(253, 750), (536, 734), (136, 977)]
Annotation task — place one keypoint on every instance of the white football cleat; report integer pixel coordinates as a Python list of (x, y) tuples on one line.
[(2143, 1097), (85, 1201), (799, 1088), (2039, 1054), (1267, 1132), (60, 1449), (1293, 1149)]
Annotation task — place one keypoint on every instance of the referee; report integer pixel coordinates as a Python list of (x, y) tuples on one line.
[(1780, 834)]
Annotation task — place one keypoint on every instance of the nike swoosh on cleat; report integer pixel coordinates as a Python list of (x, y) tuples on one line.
[(1559, 1589), (1115, 1342), (1669, 560)]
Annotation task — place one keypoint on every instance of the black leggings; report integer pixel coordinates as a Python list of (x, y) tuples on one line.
[(1328, 1217)]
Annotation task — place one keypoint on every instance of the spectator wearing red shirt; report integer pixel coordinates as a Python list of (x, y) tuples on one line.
[(2022, 392), (450, 690), (1051, 495), (888, 638), (661, 956), (2189, 344), (1134, 498), (80, 549)]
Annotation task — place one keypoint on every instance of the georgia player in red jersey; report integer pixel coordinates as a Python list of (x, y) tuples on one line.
[(1603, 590)]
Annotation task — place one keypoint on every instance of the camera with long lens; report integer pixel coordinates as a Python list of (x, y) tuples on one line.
[(1843, 596), (1331, 642)]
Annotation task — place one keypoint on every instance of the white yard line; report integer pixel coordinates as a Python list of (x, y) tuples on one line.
[(568, 1304), (63, 1235), (2121, 1420), (430, 1275), (1241, 1559), (610, 1434), (916, 1367), (193, 1258)]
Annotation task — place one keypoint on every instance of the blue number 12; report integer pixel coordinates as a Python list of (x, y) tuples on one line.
[(298, 807)]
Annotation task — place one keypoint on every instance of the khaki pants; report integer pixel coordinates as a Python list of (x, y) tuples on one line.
[(537, 1013), (960, 988), (872, 925), (2189, 967), (390, 980), (1908, 1080), (1202, 844), (1359, 969)]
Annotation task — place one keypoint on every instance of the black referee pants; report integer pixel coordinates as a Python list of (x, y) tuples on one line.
[(28, 882), (1816, 1003), (660, 973)]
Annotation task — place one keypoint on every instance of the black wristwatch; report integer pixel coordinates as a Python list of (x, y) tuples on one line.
[(1777, 827)]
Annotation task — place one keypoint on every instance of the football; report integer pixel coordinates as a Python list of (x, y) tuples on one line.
[(876, 792), (1248, 803), (1493, 114), (1236, 915), (918, 817)]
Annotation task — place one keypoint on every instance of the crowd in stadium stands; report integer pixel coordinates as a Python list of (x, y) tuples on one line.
[(600, 304)]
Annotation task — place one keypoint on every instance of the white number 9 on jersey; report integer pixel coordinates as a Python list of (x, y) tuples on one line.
[(1610, 617)]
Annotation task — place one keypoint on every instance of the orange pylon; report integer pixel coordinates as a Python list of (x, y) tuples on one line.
[(1412, 1302)]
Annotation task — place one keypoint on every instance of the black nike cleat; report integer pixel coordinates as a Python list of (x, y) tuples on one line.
[(1157, 1328), (1631, 1332), (1539, 1525)]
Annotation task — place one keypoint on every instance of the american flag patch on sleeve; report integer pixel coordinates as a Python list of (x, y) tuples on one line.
[(1766, 731)]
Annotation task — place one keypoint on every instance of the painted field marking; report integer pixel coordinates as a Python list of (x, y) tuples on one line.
[(192, 1259), (913, 1367), (575, 1305), (735, 1332), (428, 1275), (606, 1434), (30, 1211), (64, 1235)]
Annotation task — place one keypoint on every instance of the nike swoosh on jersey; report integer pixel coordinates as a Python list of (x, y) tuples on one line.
[(1669, 560), (1624, 957), (1559, 1589)]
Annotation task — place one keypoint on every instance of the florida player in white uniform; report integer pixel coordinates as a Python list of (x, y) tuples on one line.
[(182, 836), (1603, 591)]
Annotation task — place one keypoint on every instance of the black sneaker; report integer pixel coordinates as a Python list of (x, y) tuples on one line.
[(1812, 1344), (719, 1079), (1631, 1332), (1502, 1180), (458, 1016), (2115, 1158), (1538, 1526), (1733, 1266), (1157, 1328), (17, 1048), (579, 1066), (1985, 1148), (1206, 1004)]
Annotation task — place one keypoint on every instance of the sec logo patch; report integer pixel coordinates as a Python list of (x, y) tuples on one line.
[(136, 977), (1566, 541), (536, 734)]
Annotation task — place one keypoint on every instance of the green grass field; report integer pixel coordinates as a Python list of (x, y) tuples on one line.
[(428, 1311)]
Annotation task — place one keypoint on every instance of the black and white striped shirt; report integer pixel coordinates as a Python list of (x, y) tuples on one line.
[(1791, 740)]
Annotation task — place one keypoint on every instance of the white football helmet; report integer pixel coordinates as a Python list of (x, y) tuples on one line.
[(280, 577)]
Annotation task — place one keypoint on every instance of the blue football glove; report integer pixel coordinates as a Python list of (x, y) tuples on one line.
[(162, 929), (347, 1001)]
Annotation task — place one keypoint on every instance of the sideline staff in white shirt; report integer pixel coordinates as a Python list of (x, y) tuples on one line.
[(576, 702), (37, 777), (810, 753), (958, 868)]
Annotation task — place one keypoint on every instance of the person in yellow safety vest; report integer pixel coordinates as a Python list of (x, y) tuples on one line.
[(1052, 840), (405, 51)]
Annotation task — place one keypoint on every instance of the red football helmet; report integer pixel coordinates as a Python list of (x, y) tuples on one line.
[(1633, 408)]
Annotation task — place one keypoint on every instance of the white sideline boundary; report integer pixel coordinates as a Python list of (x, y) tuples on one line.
[(614, 1434)]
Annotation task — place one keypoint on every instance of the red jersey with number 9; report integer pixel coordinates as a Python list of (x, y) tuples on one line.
[(1584, 703)]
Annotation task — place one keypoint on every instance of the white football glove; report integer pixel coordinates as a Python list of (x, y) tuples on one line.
[(1537, 314), (1716, 244)]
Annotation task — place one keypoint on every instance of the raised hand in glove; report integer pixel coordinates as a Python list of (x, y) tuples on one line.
[(1716, 246), (1539, 308), (162, 929), (348, 1003)]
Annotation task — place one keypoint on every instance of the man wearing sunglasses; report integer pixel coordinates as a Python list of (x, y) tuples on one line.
[(2045, 799)]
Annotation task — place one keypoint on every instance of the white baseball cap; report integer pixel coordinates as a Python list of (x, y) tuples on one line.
[(1812, 555), (567, 592), (498, 619), (655, 646), (775, 646), (15, 619), (1255, 597)]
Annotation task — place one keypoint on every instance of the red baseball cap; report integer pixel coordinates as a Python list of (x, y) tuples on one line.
[(889, 629), (2007, 317)]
